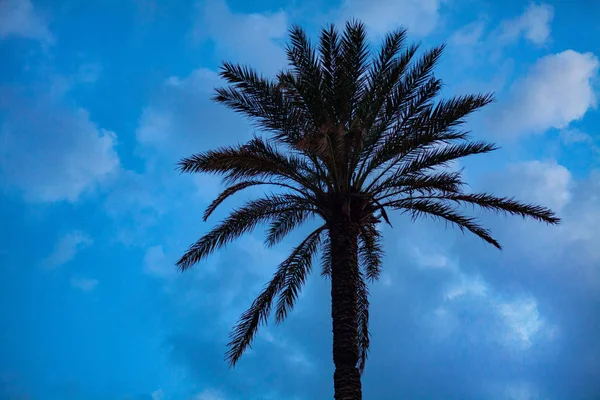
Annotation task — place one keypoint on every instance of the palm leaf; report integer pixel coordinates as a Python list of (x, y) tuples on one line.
[(370, 251), (298, 269), (240, 221), (284, 223), (363, 322), (437, 210), (503, 205)]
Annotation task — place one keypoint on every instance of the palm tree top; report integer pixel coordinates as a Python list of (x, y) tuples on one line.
[(349, 136)]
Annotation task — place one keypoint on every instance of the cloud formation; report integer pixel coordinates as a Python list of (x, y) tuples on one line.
[(256, 39), (19, 18), (556, 91), (51, 152), (533, 25), (381, 16), (67, 247)]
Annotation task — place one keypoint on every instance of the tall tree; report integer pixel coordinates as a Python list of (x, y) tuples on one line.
[(350, 136)]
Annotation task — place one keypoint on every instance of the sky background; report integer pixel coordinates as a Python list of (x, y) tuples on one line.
[(100, 99)]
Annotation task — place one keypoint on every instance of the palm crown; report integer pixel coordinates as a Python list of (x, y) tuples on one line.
[(351, 136)]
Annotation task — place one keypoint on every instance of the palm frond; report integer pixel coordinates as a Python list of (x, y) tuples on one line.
[(383, 74), (299, 266), (437, 210), (364, 338), (370, 251), (427, 159), (255, 159), (329, 57), (306, 76), (245, 329), (240, 221), (384, 145), (503, 205), (438, 182), (262, 101), (411, 95), (284, 223), (230, 191), (351, 79), (326, 257)]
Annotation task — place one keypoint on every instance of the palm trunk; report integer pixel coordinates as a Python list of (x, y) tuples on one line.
[(344, 275)]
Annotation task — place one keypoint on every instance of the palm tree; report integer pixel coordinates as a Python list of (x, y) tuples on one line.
[(350, 137)]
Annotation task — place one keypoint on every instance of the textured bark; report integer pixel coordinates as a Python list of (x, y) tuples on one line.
[(344, 274)]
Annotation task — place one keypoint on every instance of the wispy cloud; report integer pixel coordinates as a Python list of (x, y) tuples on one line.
[(84, 284), (20, 18), (256, 39), (52, 151), (381, 16), (156, 263), (533, 25), (67, 247)]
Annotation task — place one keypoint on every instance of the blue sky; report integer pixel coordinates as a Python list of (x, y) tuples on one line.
[(99, 99)]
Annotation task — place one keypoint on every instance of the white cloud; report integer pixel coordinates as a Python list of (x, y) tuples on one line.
[(67, 247), (84, 284), (556, 91), (466, 286), (430, 259), (382, 16), (20, 18), (570, 249), (157, 264), (469, 35), (541, 182), (51, 152), (523, 322), (183, 119), (514, 321), (256, 39), (533, 24)]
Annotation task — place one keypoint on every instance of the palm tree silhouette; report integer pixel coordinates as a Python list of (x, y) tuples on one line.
[(350, 137)]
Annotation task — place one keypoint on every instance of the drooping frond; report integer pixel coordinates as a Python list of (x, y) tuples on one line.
[(326, 257), (258, 313), (284, 223), (364, 337), (230, 191), (245, 329), (438, 210), (240, 221), (298, 270), (502, 205), (370, 251)]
